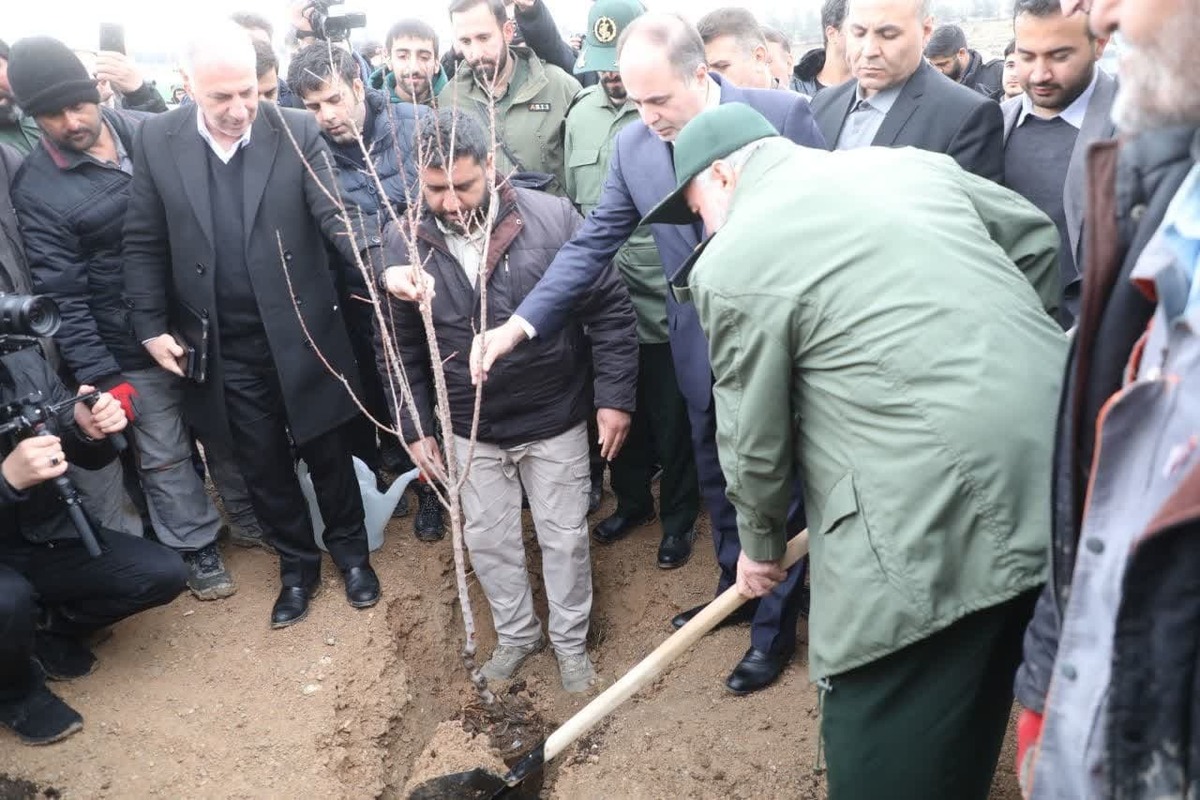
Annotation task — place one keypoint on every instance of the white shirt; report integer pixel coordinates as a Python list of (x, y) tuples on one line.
[(225, 155), (1073, 114)]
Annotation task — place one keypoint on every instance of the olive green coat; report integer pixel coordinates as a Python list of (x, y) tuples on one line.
[(875, 336), (592, 125), (529, 116)]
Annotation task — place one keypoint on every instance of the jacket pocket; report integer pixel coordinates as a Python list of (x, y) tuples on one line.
[(840, 504), (587, 179)]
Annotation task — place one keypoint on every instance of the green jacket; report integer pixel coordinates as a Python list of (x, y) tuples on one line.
[(889, 349), (384, 80), (529, 117), (592, 124), (22, 135)]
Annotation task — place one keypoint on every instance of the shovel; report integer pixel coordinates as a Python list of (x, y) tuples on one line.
[(479, 784)]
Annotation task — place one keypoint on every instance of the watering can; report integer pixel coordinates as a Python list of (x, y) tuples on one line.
[(377, 506)]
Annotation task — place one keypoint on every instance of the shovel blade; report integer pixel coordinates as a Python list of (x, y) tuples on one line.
[(478, 784)]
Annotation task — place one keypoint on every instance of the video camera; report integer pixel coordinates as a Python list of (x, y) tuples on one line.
[(24, 319), (333, 27)]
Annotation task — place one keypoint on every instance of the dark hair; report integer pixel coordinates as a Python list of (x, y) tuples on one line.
[(411, 29), (4, 49), (947, 40), (731, 21), (449, 134), (264, 58), (673, 32), (496, 6), (314, 66), (833, 15), (1010, 48), (253, 21), (1043, 9), (778, 37), (370, 49)]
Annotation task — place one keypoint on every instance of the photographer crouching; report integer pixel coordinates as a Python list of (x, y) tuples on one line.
[(62, 578)]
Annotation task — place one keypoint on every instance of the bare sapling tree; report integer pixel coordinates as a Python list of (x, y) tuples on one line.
[(449, 483)]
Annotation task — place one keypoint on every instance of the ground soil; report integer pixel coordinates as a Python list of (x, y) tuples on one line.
[(204, 700)]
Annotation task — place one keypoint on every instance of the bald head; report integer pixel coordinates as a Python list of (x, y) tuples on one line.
[(662, 64), (220, 42), (667, 36)]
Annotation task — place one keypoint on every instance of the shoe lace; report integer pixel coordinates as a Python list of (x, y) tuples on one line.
[(208, 559), (429, 510)]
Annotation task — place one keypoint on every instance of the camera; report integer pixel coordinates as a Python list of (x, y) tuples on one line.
[(28, 316), (333, 27)]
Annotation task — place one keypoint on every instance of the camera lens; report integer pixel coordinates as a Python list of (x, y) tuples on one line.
[(28, 315)]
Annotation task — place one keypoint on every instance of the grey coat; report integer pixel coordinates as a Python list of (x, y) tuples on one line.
[(1097, 126), (170, 254)]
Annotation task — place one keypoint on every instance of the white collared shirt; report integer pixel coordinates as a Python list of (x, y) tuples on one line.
[(1073, 114), (712, 97), (225, 155)]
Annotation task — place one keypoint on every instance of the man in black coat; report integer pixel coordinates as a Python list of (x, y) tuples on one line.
[(54, 595), (897, 99), (251, 199)]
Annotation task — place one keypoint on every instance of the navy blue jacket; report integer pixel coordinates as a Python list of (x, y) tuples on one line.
[(641, 174), (72, 215)]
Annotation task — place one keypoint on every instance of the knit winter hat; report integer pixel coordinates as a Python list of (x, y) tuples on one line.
[(47, 77)]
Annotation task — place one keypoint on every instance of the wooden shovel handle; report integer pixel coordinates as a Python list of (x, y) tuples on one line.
[(652, 665)]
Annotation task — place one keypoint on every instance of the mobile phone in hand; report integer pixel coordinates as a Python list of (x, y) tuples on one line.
[(112, 37)]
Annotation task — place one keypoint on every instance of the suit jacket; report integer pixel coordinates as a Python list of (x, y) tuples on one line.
[(932, 113), (170, 254), (1097, 126), (641, 173)]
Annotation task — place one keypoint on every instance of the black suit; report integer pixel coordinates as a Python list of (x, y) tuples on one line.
[(265, 387), (932, 113)]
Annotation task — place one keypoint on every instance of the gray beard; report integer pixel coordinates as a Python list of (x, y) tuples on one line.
[(1160, 81)]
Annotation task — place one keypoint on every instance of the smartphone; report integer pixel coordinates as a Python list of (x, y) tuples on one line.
[(112, 37)]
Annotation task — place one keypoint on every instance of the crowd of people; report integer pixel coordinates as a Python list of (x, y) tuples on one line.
[(936, 309)]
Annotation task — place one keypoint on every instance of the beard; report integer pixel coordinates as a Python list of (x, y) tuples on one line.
[(9, 114), (415, 85), (467, 220), (1160, 79), (615, 89), (956, 73), (487, 69)]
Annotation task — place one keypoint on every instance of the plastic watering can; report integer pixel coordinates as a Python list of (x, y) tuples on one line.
[(377, 506)]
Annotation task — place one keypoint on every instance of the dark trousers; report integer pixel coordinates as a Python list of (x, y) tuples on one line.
[(773, 629), (258, 424), (660, 432), (367, 441), (80, 594), (927, 721)]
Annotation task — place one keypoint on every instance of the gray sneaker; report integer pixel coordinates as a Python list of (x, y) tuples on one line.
[(578, 674), (207, 577), (506, 660)]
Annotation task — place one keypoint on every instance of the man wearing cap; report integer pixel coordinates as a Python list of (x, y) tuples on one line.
[(911, 372), (595, 118), (665, 74)]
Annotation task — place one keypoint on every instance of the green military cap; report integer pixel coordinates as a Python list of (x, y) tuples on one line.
[(709, 137), (606, 22)]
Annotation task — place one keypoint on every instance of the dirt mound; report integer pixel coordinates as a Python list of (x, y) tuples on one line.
[(204, 700)]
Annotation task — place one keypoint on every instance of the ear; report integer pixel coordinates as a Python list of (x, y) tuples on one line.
[(360, 91), (723, 174), (489, 165), (760, 54), (1099, 45), (926, 31), (509, 30), (701, 73)]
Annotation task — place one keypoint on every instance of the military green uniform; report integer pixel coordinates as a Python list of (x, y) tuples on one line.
[(23, 134), (591, 126), (889, 348), (529, 116)]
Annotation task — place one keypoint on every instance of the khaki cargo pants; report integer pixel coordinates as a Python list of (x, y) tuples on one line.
[(556, 477)]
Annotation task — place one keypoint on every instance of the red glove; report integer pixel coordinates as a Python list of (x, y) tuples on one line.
[(124, 393), (1029, 730)]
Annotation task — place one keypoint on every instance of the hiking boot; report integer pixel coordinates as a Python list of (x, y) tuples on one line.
[(62, 657), (246, 537), (578, 674), (428, 526), (40, 717), (506, 660), (207, 577)]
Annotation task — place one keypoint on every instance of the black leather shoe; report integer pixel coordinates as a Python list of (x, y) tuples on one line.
[(757, 670), (743, 615), (676, 549), (292, 604), (617, 527), (362, 586), (595, 496)]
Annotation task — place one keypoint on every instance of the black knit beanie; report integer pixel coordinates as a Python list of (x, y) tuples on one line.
[(47, 77)]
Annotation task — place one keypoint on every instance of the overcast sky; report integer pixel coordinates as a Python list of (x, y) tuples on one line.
[(158, 25)]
